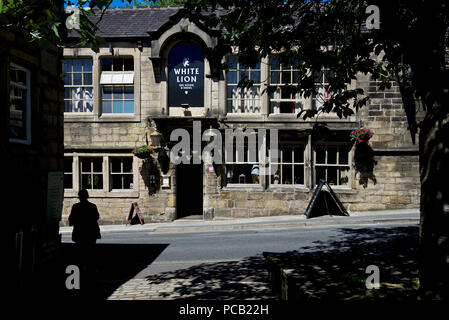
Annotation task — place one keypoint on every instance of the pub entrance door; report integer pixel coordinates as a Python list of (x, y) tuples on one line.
[(189, 190)]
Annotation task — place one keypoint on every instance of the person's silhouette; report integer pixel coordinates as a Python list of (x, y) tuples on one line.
[(84, 219)]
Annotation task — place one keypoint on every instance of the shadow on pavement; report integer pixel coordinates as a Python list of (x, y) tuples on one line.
[(115, 264), (235, 280), (337, 269)]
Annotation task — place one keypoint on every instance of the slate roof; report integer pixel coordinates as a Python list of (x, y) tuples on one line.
[(123, 22)]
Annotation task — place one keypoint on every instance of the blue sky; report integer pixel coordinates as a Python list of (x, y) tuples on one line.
[(116, 3)]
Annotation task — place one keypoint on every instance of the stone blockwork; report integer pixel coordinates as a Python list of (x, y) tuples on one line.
[(392, 183)]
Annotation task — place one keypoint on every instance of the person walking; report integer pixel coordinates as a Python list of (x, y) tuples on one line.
[(84, 219)]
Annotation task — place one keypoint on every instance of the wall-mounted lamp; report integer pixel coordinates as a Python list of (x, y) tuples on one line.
[(111, 49), (140, 45)]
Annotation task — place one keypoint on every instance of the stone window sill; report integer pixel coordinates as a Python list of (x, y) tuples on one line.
[(103, 194), (280, 187), (242, 187)]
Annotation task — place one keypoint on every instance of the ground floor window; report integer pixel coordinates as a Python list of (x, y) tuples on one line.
[(290, 167), (91, 173), (243, 167), (68, 172), (331, 163), (100, 173), (121, 173), (297, 161)]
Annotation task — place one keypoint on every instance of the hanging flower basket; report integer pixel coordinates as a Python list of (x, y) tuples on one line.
[(143, 152), (361, 135)]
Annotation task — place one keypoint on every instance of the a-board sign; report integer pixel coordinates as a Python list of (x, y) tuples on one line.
[(324, 202), (139, 214)]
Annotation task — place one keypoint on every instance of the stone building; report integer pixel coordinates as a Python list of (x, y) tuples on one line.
[(32, 152), (151, 83)]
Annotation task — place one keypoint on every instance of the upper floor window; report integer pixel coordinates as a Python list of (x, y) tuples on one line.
[(283, 78), (19, 104), (117, 85), (78, 87), (240, 99), (323, 88)]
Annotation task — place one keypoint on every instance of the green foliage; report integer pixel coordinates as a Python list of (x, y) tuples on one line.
[(332, 35)]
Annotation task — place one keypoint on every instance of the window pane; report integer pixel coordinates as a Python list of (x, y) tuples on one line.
[(97, 164), (286, 174), (286, 77), (128, 93), (117, 92), (116, 164), (88, 106), (77, 65), (87, 78), (68, 106), (77, 79), (232, 62), (127, 164), (98, 181), (117, 107), (343, 155), (88, 93), (299, 175), (298, 154), (255, 76), (68, 79), (106, 64), (128, 106), (107, 106), (287, 154), (68, 181), (128, 64), (68, 164), (66, 65), (287, 107), (332, 175), (275, 63), (320, 174), (243, 75), (67, 93), (332, 155), (344, 176), (231, 77), (275, 77), (117, 181), (86, 181), (106, 92), (320, 154), (127, 181), (85, 165), (87, 65), (117, 64)]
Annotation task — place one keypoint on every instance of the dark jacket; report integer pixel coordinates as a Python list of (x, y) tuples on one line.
[(84, 219)]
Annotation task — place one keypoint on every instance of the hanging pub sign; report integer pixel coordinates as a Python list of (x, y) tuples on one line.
[(186, 75)]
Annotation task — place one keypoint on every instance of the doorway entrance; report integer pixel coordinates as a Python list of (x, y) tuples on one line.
[(189, 190)]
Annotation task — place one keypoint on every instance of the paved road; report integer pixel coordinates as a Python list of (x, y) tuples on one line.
[(204, 265)]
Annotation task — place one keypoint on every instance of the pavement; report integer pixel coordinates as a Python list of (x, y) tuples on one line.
[(198, 225), (242, 279)]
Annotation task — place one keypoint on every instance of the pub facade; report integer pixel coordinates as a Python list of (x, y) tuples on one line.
[(151, 84)]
